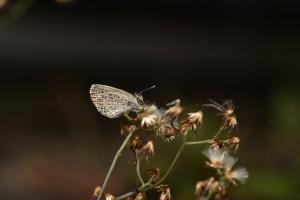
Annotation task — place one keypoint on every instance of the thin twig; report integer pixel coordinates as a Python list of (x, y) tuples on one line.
[(219, 131), (138, 172), (140, 178), (129, 194), (198, 142), (173, 162), (148, 186), (117, 155)]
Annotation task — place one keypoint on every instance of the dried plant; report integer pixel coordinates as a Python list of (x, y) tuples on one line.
[(167, 124)]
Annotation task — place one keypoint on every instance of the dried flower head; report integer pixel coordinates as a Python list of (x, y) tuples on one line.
[(148, 117), (216, 157), (109, 196), (240, 174), (204, 187), (170, 134), (164, 126), (233, 143), (200, 189), (191, 123), (165, 192), (175, 110), (148, 121), (135, 145), (217, 145), (229, 162), (221, 194), (227, 112), (96, 193), (139, 196), (153, 174), (148, 149)]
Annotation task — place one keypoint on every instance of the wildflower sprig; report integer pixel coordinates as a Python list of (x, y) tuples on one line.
[(167, 124)]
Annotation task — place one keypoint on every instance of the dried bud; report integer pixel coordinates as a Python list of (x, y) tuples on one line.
[(233, 142), (165, 192), (96, 193), (175, 110), (227, 112), (230, 122), (148, 117), (135, 145), (153, 174), (204, 187), (217, 145), (170, 134), (222, 194), (149, 121), (148, 149), (191, 122), (139, 196), (109, 197), (200, 189)]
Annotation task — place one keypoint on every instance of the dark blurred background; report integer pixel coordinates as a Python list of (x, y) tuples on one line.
[(54, 144)]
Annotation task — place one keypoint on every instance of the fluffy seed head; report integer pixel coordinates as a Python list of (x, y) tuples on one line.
[(148, 149), (216, 157), (240, 174)]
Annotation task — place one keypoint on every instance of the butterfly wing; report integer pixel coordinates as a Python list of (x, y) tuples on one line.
[(112, 102)]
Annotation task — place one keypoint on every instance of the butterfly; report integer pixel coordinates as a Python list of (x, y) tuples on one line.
[(113, 102)]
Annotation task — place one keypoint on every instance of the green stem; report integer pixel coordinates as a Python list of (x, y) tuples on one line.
[(129, 194), (198, 142), (219, 131), (138, 172), (117, 155), (173, 162), (148, 186)]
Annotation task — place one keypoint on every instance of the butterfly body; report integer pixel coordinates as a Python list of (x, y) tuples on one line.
[(113, 102)]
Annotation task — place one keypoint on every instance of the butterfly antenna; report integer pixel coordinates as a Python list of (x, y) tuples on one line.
[(153, 86)]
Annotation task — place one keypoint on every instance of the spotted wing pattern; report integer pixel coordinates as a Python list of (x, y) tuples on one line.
[(112, 102)]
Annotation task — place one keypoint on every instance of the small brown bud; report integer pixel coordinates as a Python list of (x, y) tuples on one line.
[(234, 142), (165, 192), (139, 196), (175, 110), (96, 193), (135, 145), (109, 197), (153, 174), (191, 122), (148, 149)]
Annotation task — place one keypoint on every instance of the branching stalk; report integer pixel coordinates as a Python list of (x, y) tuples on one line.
[(116, 157), (138, 172)]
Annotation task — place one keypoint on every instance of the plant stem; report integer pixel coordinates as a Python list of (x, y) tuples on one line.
[(148, 186), (219, 131), (138, 172), (174, 161), (198, 142), (117, 155), (140, 178), (133, 192)]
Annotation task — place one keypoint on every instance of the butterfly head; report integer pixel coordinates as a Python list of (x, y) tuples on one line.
[(139, 96)]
